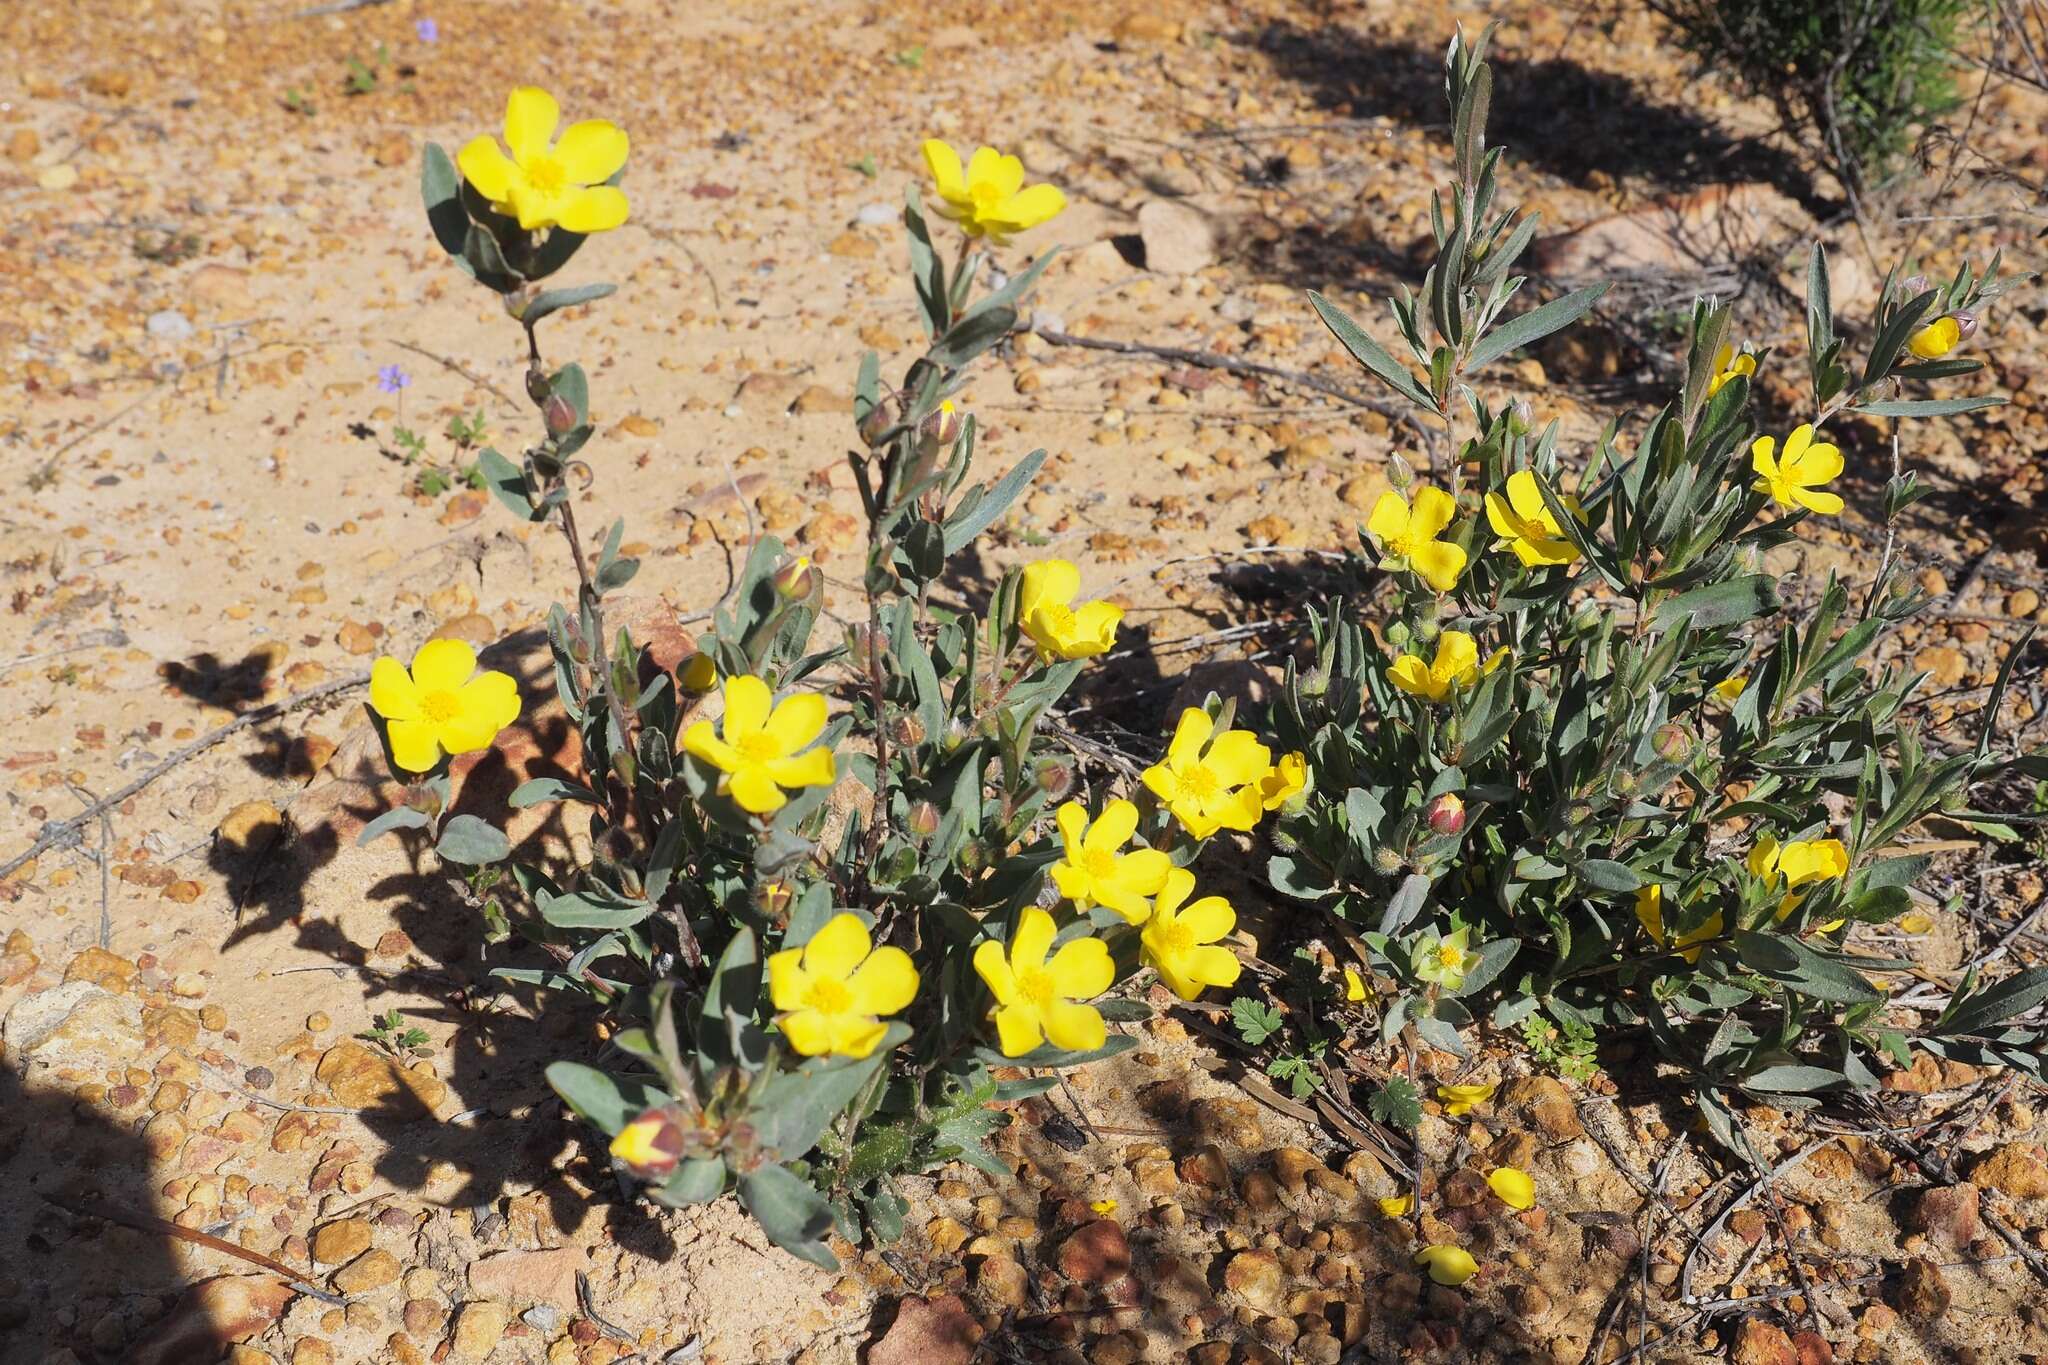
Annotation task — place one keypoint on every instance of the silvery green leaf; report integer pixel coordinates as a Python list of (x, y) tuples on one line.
[(698, 1180), (507, 484), (593, 910), (398, 817), (539, 789), (793, 1214), (555, 300), (1928, 407), (1046, 1055), (469, 840), (1534, 325), (607, 1102), (441, 189), (1370, 353)]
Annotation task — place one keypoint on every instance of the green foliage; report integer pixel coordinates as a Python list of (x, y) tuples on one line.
[(1255, 1020), (1863, 75), (1567, 827), (1565, 1047), (390, 1032), (1397, 1102)]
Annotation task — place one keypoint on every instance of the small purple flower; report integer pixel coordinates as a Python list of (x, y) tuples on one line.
[(428, 30), (392, 379)]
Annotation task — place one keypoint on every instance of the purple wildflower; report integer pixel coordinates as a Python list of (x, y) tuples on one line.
[(392, 379), (428, 30)]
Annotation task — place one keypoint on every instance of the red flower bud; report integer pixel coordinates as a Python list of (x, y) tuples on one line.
[(1446, 814), (559, 414), (797, 580), (651, 1145)]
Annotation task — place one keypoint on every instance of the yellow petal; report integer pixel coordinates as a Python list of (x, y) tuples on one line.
[(1113, 828), (1412, 675), (484, 164), (1208, 919), (808, 1031), (795, 722), (1072, 819), (885, 983), (856, 1035), (443, 665), (1049, 581), (1434, 509), (1397, 1205), (1026, 209), (1762, 457), (787, 979), (1034, 935), (1018, 1029), (1082, 969), (837, 948), (1827, 504), (701, 741), (1390, 516), (1457, 656), (392, 693), (944, 164), (591, 152), (1936, 339), (993, 967), (1354, 992), (1237, 758), (530, 118), (1447, 1265), (1527, 498), (593, 210), (1512, 1187), (1438, 564), (1213, 966), (1078, 1028), (812, 768), (1190, 733), (1650, 911), (754, 791), (746, 707), (413, 746)]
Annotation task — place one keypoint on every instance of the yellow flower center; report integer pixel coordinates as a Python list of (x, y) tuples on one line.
[(1056, 620), (1035, 984), (1199, 782), (1407, 543), (987, 194), (759, 746), (1449, 958), (1173, 937), (440, 707), (1098, 864), (546, 175), (829, 997)]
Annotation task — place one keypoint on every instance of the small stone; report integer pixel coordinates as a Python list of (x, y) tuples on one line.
[(852, 245), (818, 398), (1002, 1281), (477, 1328), (1179, 239), (371, 1270), (1948, 1214), (169, 325), (633, 424), (1544, 1102), (216, 1313), (343, 1240), (1206, 1166), (1095, 1253), (934, 1331), (58, 178), (312, 1351), (363, 1079), (1761, 1343), (2018, 1169), (423, 1318), (525, 1277), (947, 1235), (1254, 1276), (1920, 1291)]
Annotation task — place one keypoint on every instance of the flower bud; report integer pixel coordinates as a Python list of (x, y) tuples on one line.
[(697, 674), (1386, 861), (1672, 742), (1397, 634), (1521, 416), (1966, 325), (857, 640), (1446, 814), (559, 415), (923, 818), (1057, 779), (1913, 286), (774, 900), (651, 1145), (796, 580), (875, 426), (1399, 476), (941, 427)]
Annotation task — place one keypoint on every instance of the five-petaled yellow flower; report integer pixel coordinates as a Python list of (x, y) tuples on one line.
[(1794, 479), (1650, 914), (1447, 1265), (1524, 523), (1513, 1187), (1800, 862), (1456, 666), (1408, 534), (758, 749), (1444, 961), (1037, 1000), (1936, 339), (1283, 781), (1179, 942), (1210, 781), (832, 990), (1460, 1100), (1729, 363), (546, 183), (1097, 871), (987, 197), (437, 707), (1046, 613)]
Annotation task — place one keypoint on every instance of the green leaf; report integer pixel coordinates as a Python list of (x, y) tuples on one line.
[(1256, 1021), (1534, 325), (1792, 1078), (972, 335), (469, 840), (1791, 963), (1494, 958), (1603, 874), (398, 817), (606, 1102), (1369, 353), (698, 1180), (794, 1215), (1734, 602), (505, 481), (541, 789), (1928, 407), (1396, 1103), (792, 1109), (441, 189), (555, 300), (593, 910), (2008, 999), (981, 506), (1047, 1055)]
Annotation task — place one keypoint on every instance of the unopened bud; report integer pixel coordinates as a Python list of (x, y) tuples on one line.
[(1966, 325), (559, 415), (1446, 814), (875, 426), (1386, 861), (906, 731), (1397, 634), (797, 580), (651, 1145), (1913, 286), (1672, 742), (1399, 475), (1057, 779), (857, 641), (1521, 416), (774, 900), (697, 674), (517, 301), (924, 818), (941, 427)]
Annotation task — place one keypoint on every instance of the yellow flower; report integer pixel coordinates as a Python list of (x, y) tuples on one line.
[(1731, 688), (1936, 339), (1409, 536), (650, 1145), (1179, 942), (1096, 870), (1462, 1099), (831, 990), (1102, 1208), (1036, 1000), (1046, 613), (438, 707), (1650, 913), (545, 183), (1444, 961), (1512, 1187), (1799, 862), (697, 674), (757, 749), (1524, 523), (1456, 666), (1447, 1265), (1727, 364), (1210, 781), (1283, 780), (1397, 1205), (1794, 480), (1355, 989), (987, 197)]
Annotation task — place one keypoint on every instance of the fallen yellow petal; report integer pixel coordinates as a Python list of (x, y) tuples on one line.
[(1512, 1187)]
